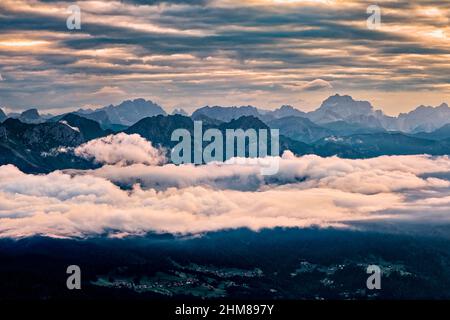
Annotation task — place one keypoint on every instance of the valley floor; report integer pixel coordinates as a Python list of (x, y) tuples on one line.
[(311, 264)]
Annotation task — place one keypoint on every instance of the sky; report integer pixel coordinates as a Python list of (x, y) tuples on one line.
[(192, 53)]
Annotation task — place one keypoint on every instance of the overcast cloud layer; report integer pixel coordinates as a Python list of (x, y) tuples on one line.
[(187, 199), (189, 53)]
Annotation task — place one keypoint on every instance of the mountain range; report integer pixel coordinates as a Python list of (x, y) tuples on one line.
[(126, 113), (337, 110), (343, 108), (225, 114), (28, 116), (341, 126)]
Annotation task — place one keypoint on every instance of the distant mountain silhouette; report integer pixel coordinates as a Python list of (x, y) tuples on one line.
[(344, 108), (180, 111), (31, 116), (439, 134), (285, 111), (225, 114), (334, 109), (424, 119), (335, 113), (131, 111)]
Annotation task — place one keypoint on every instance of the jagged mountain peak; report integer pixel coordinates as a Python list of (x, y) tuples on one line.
[(286, 108), (423, 108), (32, 114), (179, 111), (129, 112), (424, 118), (344, 107), (140, 101), (225, 113), (2, 115), (346, 101), (285, 111)]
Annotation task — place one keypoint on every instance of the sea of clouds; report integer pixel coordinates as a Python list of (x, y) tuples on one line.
[(136, 191)]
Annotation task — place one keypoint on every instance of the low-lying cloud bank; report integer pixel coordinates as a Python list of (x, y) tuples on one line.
[(369, 176), (307, 191), (121, 149)]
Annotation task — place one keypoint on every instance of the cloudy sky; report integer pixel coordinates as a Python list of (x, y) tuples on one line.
[(190, 53)]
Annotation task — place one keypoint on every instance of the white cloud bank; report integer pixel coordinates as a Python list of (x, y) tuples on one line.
[(307, 191), (369, 176), (121, 149)]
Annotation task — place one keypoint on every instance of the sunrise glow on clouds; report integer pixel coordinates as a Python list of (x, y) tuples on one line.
[(136, 196), (192, 53)]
